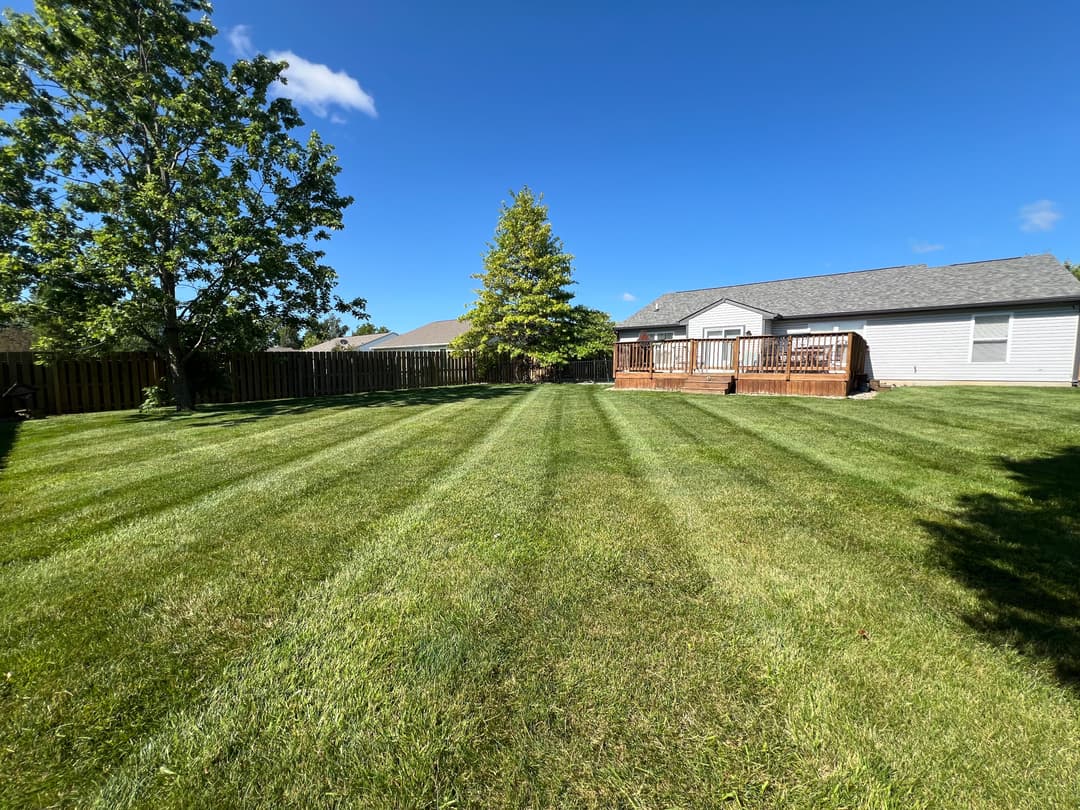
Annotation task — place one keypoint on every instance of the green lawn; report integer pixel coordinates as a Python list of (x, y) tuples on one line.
[(546, 596)]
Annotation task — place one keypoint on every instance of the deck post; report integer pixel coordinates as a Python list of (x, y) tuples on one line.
[(615, 359), (735, 357), (847, 361), (787, 370), (691, 361)]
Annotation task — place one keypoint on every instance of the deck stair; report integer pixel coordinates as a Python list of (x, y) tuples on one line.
[(709, 384)]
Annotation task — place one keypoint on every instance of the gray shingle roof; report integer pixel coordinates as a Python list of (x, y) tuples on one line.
[(891, 289), (349, 343), (436, 333)]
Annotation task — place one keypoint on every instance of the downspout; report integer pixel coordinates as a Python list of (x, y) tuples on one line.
[(1076, 350)]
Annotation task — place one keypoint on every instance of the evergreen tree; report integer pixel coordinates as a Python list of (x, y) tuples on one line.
[(523, 309)]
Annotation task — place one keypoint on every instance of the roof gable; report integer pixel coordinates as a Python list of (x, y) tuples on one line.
[(1024, 279), (732, 302)]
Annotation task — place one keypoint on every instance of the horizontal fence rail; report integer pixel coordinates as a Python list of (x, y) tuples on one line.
[(116, 382), (823, 353)]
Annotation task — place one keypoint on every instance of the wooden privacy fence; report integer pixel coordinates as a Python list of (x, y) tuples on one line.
[(116, 382)]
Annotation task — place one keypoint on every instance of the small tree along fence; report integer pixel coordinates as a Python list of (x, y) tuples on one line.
[(116, 382)]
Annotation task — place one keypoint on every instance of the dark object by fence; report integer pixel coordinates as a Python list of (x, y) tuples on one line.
[(16, 401)]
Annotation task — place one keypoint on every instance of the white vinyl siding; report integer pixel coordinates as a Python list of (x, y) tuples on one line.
[(1040, 347), (727, 315)]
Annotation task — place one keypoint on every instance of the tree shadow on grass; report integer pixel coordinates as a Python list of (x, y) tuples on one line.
[(1021, 555), (225, 415)]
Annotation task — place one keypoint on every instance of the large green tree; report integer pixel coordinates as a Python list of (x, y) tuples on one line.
[(370, 329), (149, 190), (593, 333), (523, 309)]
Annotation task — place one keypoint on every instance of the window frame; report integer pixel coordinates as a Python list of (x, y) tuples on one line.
[(654, 339), (721, 329), (1007, 341)]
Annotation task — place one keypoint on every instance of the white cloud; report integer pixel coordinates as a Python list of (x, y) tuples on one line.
[(318, 88), (922, 246), (629, 297), (239, 37), (1039, 216)]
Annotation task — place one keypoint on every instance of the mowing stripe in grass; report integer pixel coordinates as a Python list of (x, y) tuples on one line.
[(163, 437), (141, 478), (491, 662), (845, 451), (223, 493), (66, 523), (609, 601), (805, 621), (347, 654), (169, 622)]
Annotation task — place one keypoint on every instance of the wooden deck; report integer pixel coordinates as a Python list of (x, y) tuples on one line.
[(826, 364)]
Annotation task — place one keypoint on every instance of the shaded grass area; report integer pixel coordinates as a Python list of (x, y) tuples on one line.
[(553, 596), (1021, 553)]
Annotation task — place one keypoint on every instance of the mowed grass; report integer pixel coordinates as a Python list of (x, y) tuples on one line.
[(555, 596)]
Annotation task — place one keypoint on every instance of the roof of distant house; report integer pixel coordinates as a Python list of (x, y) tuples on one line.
[(1023, 279), (350, 343), (436, 333), (282, 349)]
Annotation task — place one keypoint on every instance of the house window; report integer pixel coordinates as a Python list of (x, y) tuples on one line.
[(990, 338), (661, 335), (725, 332)]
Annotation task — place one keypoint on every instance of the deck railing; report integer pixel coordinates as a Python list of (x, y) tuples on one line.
[(817, 353)]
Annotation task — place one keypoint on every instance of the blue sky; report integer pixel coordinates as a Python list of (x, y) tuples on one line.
[(682, 145)]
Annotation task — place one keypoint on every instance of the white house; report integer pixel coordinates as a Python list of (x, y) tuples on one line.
[(1000, 321)]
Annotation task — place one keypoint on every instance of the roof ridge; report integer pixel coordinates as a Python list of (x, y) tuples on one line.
[(817, 275), (991, 261)]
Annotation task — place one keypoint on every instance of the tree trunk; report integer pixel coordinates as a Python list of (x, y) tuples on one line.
[(178, 379), (174, 353)]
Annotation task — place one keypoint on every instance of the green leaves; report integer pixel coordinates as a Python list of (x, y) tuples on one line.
[(148, 190), (523, 309)]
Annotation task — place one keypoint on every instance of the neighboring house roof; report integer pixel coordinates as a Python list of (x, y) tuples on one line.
[(351, 343), (1024, 279), (282, 349), (436, 333)]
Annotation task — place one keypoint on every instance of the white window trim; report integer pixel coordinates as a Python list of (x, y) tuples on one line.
[(669, 332), (721, 329), (1008, 337)]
